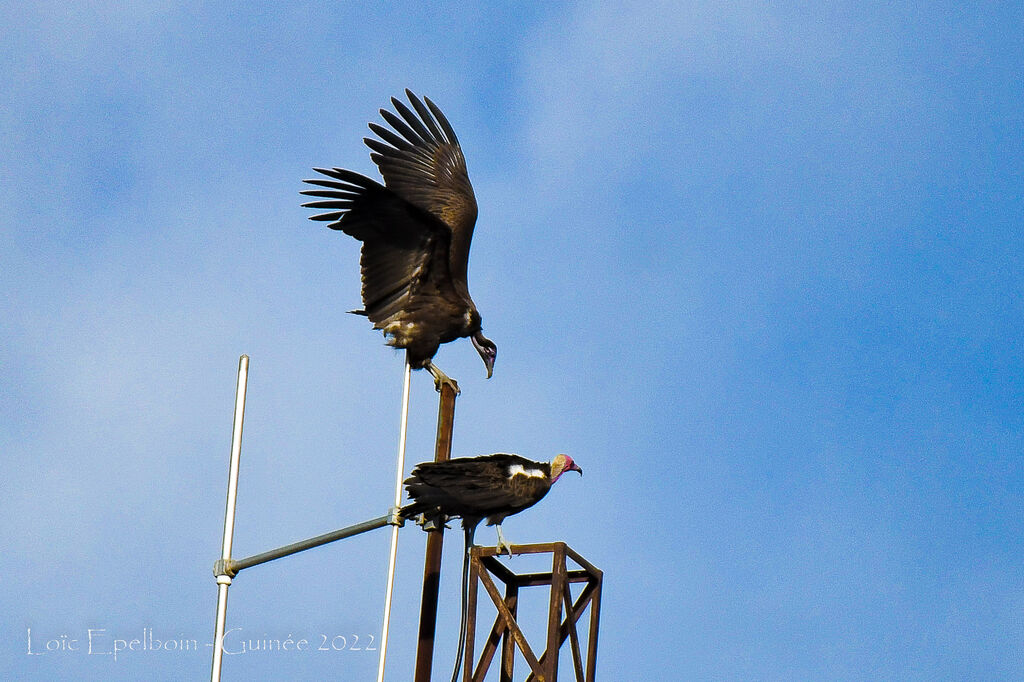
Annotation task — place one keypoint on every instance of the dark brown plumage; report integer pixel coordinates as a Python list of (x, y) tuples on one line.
[(416, 231), (489, 486)]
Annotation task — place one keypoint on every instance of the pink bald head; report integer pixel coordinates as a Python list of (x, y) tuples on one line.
[(562, 463)]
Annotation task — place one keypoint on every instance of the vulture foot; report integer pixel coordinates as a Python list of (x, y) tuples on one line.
[(503, 545), (440, 378)]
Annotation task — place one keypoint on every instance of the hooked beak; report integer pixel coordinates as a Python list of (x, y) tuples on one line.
[(487, 350)]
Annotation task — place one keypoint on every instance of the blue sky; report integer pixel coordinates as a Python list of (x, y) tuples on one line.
[(756, 267)]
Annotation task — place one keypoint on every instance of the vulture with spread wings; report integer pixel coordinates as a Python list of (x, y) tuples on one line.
[(416, 230)]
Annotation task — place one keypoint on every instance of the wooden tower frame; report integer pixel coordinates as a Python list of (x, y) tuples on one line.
[(485, 567)]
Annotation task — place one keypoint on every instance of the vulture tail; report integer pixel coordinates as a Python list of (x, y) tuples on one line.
[(470, 530)]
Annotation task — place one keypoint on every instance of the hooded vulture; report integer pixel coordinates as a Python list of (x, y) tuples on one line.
[(488, 486), (475, 488), (416, 230)]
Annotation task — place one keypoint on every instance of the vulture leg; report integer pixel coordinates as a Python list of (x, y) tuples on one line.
[(440, 378), (503, 545)]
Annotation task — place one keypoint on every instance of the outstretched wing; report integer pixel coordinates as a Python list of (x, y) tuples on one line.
[(422, 162), (404, 247)]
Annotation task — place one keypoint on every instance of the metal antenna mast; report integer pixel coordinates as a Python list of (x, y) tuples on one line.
[(399, 476), (224, 580), (226, 568)]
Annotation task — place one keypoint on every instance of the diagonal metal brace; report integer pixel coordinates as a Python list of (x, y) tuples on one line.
[(229, 568)]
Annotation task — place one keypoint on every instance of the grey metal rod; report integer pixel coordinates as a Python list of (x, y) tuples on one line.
[(223, 581), (399, 476), (234, 566)]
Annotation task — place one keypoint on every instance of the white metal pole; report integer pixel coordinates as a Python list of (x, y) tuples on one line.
[(223, 580), (399, 476)]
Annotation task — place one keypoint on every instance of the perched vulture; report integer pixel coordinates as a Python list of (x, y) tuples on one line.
[(416, 230), (475, 488), (488, 486)]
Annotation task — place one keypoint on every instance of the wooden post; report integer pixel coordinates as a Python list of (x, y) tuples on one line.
[(435, 542)]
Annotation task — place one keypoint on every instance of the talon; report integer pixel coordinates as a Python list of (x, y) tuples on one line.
[(438, 383), (440, 379), (503, 545)]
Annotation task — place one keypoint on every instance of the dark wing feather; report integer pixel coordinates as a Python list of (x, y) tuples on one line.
[(403, 246), (422, 162)]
